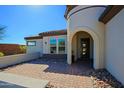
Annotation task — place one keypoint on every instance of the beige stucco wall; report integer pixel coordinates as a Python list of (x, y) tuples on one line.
[(43, 45), (46, 47), (74, 47), (19, 58), (37, 48), (114, 38), (46, 43), (87, 20)]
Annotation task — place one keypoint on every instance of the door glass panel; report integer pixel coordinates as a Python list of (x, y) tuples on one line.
[(85, 43), (84, 53), (84, 49)]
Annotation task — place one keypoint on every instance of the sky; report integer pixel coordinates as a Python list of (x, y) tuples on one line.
[(24, 21)]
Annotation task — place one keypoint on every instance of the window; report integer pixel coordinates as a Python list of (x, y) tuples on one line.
[(31, 43), (57, 45), (61, 45), (53, 45)]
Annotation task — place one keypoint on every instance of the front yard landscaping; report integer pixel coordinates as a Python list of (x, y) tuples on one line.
[(62, 75)]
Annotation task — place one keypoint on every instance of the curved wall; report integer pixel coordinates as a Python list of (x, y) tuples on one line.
[(86, 18)]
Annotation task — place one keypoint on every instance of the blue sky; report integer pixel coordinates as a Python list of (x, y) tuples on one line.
[(22, 21)]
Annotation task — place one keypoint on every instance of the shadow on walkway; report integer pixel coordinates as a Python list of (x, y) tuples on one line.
[(60, 66)]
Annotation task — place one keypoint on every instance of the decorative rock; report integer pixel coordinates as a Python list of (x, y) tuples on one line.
[(103, 79)]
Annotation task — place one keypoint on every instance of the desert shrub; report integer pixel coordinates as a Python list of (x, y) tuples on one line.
[(23, 48), (1, 54)]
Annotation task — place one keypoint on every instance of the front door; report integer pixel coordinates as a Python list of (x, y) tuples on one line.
[(85, 48)]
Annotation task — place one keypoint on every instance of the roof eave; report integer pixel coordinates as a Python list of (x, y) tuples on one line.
[(68, 9), (34, 37), (110, 12)]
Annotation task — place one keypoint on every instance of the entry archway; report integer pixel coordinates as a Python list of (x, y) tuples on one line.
[(82, 48), (96, 48)]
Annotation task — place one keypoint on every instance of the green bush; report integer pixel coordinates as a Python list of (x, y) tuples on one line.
[(1, 54), (23, 48)]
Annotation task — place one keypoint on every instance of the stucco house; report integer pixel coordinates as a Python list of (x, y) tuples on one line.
[(94, 33)]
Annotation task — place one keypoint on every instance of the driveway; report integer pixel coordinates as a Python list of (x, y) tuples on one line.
[(57, 71)]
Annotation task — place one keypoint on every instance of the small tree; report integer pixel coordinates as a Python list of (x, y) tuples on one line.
[(1, 54)]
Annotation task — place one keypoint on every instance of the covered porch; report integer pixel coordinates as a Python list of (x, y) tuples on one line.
[(82, 49), (84, 46)]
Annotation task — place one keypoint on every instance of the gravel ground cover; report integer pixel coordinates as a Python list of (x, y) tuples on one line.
[(62, 75)]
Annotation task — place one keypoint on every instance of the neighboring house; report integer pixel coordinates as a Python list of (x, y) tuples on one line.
[(93, 32), (52, 42)]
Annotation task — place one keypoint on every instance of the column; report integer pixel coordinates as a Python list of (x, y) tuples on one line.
[(69, 49)]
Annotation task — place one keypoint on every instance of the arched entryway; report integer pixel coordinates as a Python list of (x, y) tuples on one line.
[(95, 46), (82, 48)]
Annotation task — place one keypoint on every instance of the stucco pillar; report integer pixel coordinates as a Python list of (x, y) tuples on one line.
[(96, 51), (69, 49)]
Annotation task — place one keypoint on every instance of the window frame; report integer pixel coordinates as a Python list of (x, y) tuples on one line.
[(31, 42), (61, 46), (51, 45)]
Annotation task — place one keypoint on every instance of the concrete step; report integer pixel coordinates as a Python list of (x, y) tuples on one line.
[(22, 81)]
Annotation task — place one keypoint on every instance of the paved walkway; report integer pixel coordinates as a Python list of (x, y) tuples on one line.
[(12, 80), (4, 84), (58, 72)]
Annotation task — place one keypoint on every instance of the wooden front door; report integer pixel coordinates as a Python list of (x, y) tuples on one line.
[(85, 48)]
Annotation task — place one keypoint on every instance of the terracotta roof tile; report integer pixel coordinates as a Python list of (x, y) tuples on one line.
[(48, 33), (54, 33), (33, 37)]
